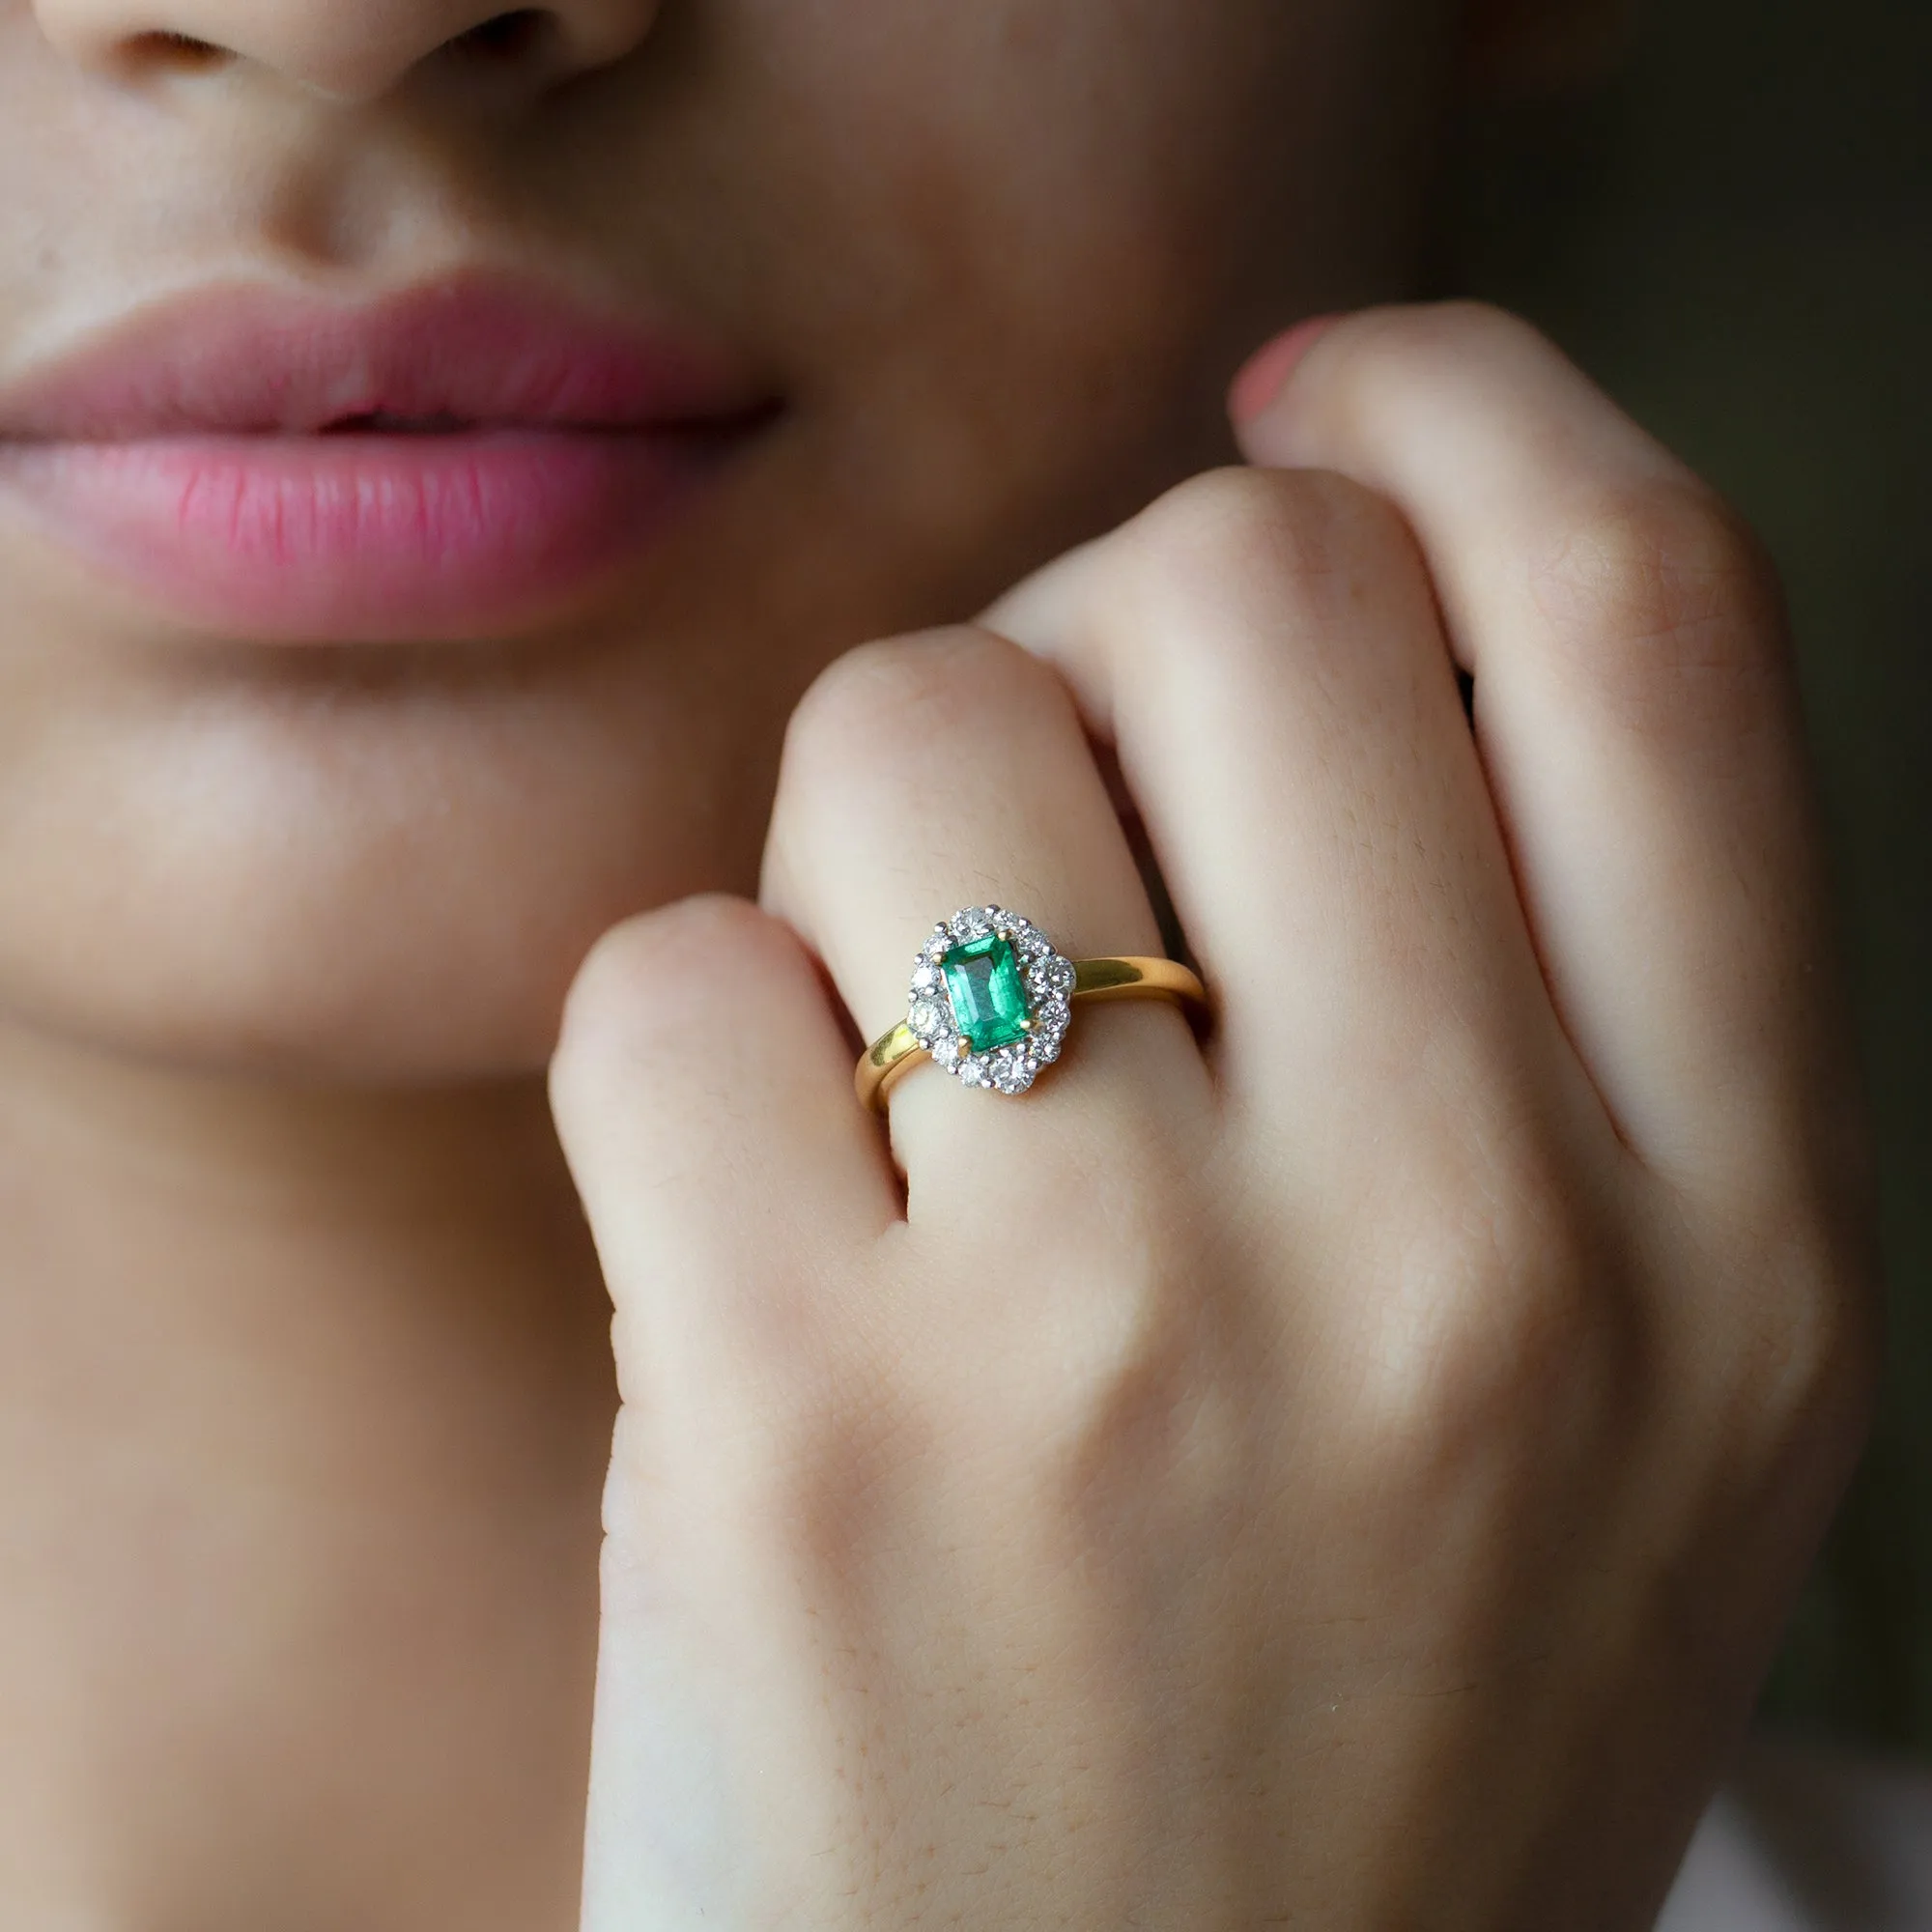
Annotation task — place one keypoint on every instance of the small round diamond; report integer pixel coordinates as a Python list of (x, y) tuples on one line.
[(925, 978), (1050, 975), (927, 1020), (1013, 1071)]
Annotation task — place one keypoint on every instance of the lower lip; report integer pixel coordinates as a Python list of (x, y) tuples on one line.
[(357, 539)]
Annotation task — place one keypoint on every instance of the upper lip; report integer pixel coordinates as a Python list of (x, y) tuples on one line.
[(473, 352)]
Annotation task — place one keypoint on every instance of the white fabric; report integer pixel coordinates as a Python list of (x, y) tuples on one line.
[(1811, 1840)]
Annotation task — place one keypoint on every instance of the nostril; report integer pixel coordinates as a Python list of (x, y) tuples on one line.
[(505, 37), (180, 53)]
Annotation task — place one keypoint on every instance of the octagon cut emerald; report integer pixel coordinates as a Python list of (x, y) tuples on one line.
[(989, 1006)]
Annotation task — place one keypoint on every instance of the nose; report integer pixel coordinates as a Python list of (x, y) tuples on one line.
[(351, 50)]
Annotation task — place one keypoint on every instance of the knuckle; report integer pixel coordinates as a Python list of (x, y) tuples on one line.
[(924, 685), (1223, 520), (1127, 1389), (1803, 1355), (1503, 1321), (648, 983), (810, 1467), (1664, 589), (1265, 555), (1234, 523), (1065, 1360)]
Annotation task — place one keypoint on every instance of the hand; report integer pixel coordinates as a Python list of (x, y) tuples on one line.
[(1350, 1473)]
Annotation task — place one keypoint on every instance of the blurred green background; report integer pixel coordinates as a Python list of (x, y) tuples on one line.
[(1736, 239)]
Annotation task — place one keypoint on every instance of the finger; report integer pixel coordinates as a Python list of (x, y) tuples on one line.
[(702, 1092), (1634, 710), (936, 772), (1263, 651)]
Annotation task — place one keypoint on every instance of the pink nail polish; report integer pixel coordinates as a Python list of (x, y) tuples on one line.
[(1268, 369)]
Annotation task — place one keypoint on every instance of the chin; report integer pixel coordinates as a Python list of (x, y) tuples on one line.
[(362, 995), (354, 885)]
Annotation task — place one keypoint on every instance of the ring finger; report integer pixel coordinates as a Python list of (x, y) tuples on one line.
[(946, 771)]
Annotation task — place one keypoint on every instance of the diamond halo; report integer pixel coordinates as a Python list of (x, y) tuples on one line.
[(990, 999)]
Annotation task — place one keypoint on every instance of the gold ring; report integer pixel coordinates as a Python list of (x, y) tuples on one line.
[(991, 1001)]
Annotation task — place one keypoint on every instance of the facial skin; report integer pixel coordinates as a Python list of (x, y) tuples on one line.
[(994, 263), (308, 1394)]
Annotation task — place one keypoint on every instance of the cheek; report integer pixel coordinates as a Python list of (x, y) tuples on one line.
[(1044, 233), (1109, 171)]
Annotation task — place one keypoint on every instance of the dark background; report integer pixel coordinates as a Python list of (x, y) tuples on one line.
[(1736, 239)]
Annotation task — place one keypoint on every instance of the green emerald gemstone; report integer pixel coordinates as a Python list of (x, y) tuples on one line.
[(989, 1005)]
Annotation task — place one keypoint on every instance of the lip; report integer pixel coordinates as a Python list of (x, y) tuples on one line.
[(457, 460)]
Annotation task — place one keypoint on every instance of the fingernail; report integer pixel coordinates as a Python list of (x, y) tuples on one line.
[(1268, 369)]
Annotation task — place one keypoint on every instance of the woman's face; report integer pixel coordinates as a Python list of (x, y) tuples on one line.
[(370, 644)]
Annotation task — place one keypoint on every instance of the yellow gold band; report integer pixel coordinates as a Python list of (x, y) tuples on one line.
[(893, 1053)]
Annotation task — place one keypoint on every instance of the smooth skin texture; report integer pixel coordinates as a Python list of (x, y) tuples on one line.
[(304, 1364), (1353, 1466), (1350, 1477), (996, 273)]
